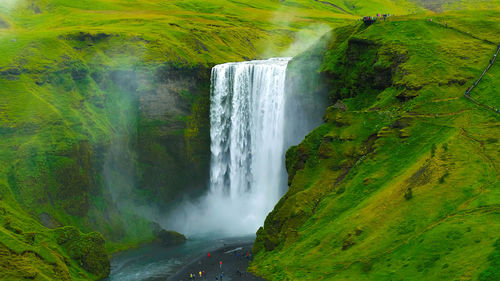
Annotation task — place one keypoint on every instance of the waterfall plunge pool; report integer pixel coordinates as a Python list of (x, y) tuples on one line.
[(154, 262)]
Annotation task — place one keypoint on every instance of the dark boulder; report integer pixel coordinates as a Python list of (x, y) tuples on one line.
[(168, 237)]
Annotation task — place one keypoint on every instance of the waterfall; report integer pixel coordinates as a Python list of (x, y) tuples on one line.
[(247, 128), (247, 173)]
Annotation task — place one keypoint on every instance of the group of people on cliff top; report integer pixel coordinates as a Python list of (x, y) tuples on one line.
[(369, 20)]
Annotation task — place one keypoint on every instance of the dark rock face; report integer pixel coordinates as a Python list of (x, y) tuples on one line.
[(169, 98), (87, 37), (367, 67), (173, 141), (48, 221), (168, 237), (3, 24)]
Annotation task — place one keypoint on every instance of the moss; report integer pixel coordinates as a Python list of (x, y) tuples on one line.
[(170, 238), (72, 87), (28, 266), (87, 249), (375, 151), (174, 147), (493, 270)]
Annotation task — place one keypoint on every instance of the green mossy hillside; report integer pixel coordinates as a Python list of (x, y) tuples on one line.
[(88, 250), (401, 182), (440, 6), (104, 108), (31, 251)]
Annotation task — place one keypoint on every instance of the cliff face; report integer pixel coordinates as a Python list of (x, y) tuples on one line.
[(107, 114), (398, 183), (84, 142), (173, 141), (108, 111)]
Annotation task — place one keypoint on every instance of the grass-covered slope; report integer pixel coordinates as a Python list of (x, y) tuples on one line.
[(402, 180), (440, 5), (31, 251), (189, 32), (99, 97)]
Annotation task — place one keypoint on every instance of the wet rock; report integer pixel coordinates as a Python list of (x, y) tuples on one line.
[(48, 221), (168, 237)]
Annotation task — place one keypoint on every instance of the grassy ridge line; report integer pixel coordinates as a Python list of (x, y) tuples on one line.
[(172, 27), (401, 182), (453, 5), (216, 24)]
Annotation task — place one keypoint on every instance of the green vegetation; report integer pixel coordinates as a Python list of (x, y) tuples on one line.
[(401, 181), (169, 237), (104, 107), (31, 251)]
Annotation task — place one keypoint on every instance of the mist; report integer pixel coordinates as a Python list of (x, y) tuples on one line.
[(8, 4), (305, 39), (218, 216), (222, 212), (304, 104), (307, 91), (120, 171)]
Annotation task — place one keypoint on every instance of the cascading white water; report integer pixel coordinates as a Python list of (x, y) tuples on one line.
[(247, 118), (247, 128)]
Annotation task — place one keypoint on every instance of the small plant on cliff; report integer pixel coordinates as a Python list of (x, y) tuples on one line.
[(408, 194)]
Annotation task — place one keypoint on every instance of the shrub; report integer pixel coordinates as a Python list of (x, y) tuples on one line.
[(445, 146), (408, 194), (443, 177)]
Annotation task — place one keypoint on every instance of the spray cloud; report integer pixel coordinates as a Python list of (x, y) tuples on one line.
[(247, 127), (247, 170)]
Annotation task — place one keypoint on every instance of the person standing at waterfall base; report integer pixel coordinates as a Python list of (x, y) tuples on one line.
[(220, 264)]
